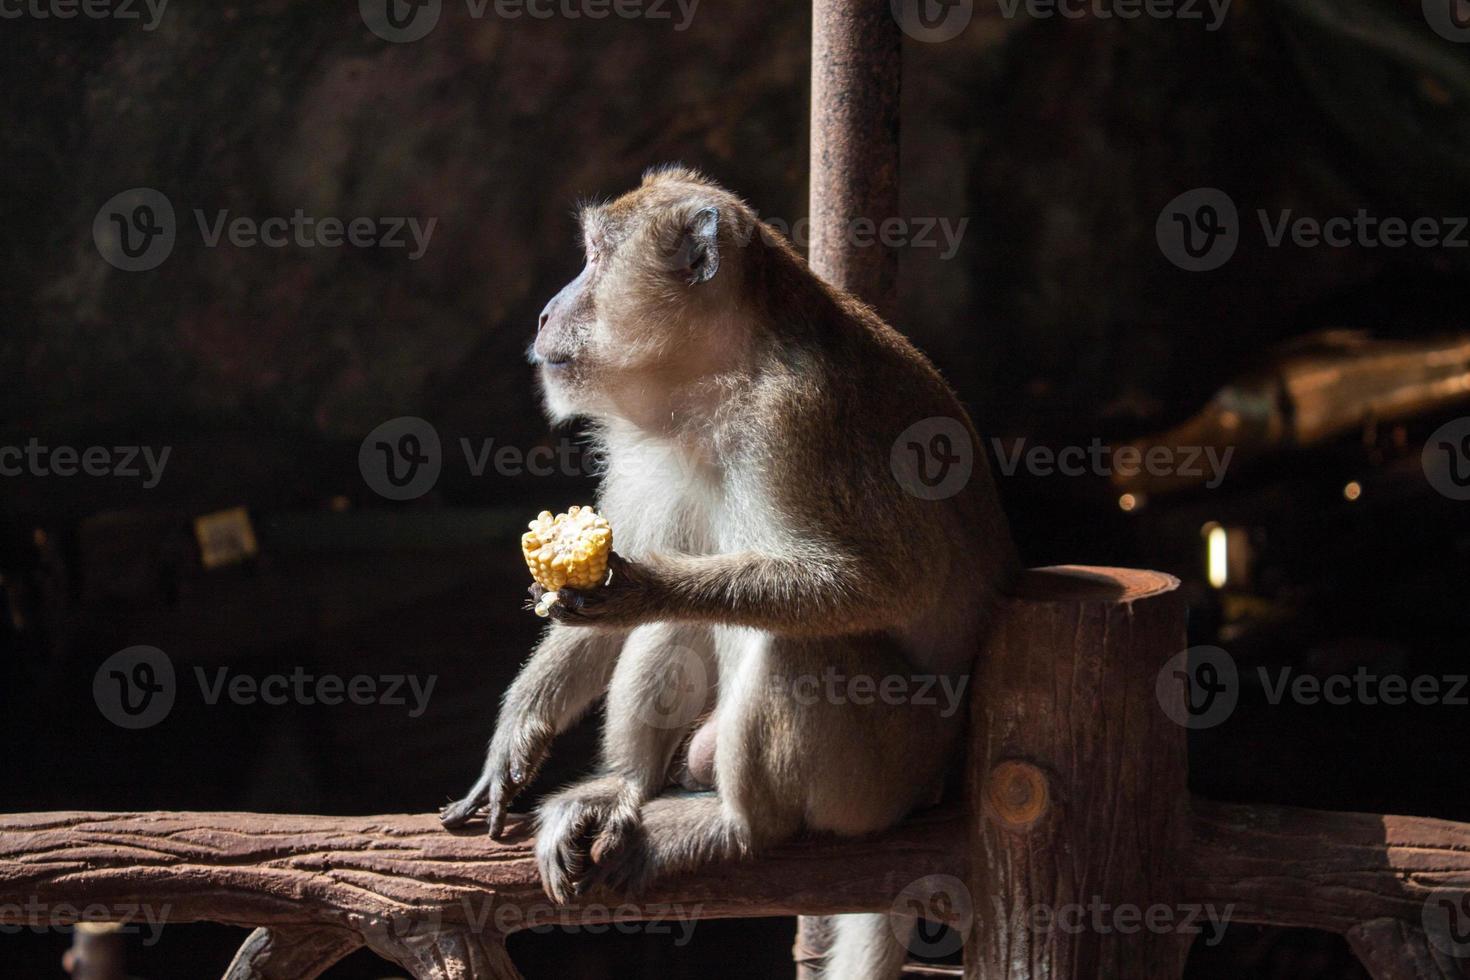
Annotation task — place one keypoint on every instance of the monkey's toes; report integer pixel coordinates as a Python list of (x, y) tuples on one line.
[(562, 845), (458, 814), (624, 870)]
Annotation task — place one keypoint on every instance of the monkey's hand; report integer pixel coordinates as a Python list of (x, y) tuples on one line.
[(627, 599), (521, 744)]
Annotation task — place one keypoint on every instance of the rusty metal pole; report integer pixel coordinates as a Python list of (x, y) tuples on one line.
[(856, 47), (854, 146)]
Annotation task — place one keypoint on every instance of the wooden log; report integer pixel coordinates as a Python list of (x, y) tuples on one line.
[(1397, 887), (291, 952), (437, 902), (1077, 782)]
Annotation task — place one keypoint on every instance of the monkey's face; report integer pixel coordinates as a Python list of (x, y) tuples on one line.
[(650, 309)]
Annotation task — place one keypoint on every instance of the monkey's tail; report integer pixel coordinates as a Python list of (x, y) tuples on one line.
[(866, 946)]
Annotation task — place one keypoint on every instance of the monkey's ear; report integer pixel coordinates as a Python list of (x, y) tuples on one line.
[(699, 248)]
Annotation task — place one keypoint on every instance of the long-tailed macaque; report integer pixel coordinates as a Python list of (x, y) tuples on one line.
[(796, 496)]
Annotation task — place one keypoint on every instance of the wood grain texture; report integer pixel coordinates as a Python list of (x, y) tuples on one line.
[(1083, 779), (1396, 886), (435, 902)]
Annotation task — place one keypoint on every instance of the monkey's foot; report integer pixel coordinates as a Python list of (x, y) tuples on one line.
[(579, 825), (678, 831), (462, 812)]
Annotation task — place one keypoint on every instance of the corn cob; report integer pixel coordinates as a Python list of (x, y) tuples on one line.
[(569, 549)]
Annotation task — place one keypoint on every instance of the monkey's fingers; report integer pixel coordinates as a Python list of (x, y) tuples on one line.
[(617, 567), (495, 812), (461, 812), (574, 606)]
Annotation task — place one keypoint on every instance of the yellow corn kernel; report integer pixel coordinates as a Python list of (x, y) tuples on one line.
[(569, 549)]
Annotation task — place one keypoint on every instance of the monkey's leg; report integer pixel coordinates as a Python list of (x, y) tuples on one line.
[(896, 744), (567, 672), (663, 682), (805, 736)]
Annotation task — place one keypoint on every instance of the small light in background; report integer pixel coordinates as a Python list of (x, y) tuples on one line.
[(1217, 554), (1352, 491), (1128, 503)]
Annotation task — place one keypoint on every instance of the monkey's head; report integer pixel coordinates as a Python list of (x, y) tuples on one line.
[(657, 303)]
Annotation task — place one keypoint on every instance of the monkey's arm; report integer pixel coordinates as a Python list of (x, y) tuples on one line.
[(804, 595), (567, 672)]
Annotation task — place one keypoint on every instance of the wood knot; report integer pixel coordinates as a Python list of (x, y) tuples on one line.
[(1017, 795)]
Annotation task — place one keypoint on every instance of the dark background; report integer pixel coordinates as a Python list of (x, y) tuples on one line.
[(1058, 320)]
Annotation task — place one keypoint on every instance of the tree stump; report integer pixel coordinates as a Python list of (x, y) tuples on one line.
[(1078, 781)]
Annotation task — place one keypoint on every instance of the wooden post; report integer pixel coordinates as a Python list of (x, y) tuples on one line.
[(854, 145), (97, 952), (856, 67), (1078, 783)]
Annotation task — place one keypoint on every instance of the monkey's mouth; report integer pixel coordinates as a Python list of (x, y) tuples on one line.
[(556, 361)]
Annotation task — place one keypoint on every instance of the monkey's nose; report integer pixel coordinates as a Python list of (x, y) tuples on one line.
[(541, 323)]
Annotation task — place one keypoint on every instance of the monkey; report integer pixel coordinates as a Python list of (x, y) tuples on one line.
[(776, 522)]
